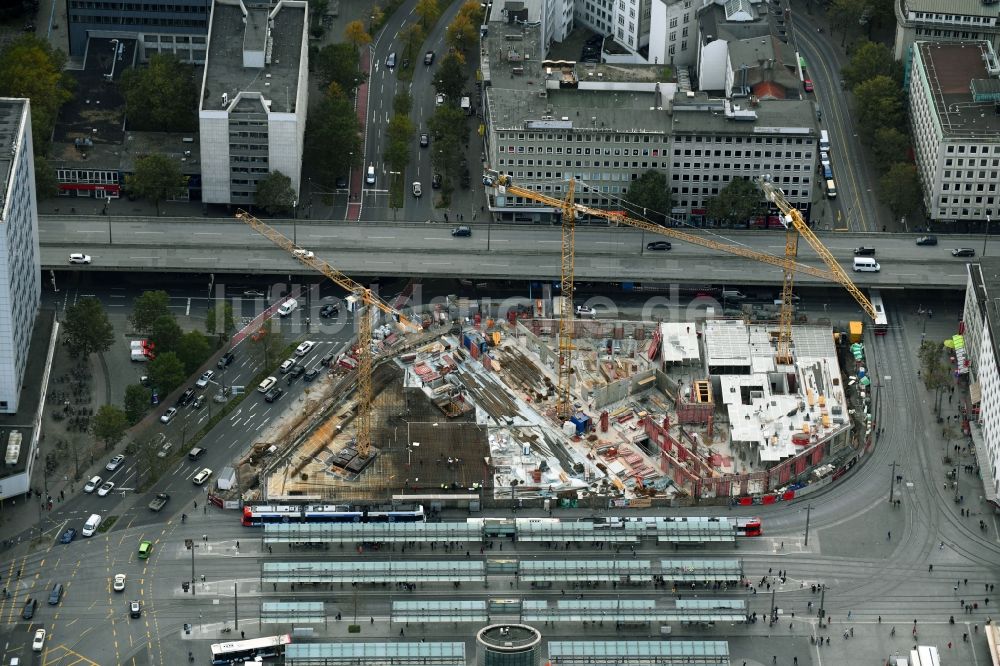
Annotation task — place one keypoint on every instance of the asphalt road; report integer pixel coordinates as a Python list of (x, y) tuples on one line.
[(493, 251)]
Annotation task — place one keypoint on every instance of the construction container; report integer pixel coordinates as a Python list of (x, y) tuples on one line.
[(855, 329), (581, 421)]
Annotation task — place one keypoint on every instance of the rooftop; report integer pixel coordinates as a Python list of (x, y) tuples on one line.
[(509, 637), (11, 117), (698, 113), (954, 7), (963, 82), (253, 49), (183, 148)]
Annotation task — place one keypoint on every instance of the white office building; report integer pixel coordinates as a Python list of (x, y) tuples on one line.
[(254, 97), (981, 331), (955, 119), (945, 21), (20, 261)]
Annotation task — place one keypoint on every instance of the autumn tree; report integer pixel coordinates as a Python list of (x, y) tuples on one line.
[(356, 35), (428, 11), (338, 63), (30, 67)]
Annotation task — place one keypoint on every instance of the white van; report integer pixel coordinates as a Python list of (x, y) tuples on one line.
[(288, 307), (370, 177), (831, 189), (91, 525), (866, 265), (824, 141)]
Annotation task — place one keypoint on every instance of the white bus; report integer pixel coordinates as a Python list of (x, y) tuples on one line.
[(824, 141)]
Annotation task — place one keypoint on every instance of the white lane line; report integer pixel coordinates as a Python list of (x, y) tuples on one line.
[(435, 238), (142, 257), (380, 237), (207, 233), (148, 232), (498, 265)]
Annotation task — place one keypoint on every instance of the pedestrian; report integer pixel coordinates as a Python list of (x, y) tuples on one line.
[(196, 504), (372, 620), (237, 545), (849, 614), (888, 536), (774, 659), (243, 634)]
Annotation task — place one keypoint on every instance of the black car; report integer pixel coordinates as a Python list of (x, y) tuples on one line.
[(658, 245), (68, 535), (326, 360), (135, 608), (963, 252), (436, 181), (927, 240), (295, 373), (864, 251), (226, 359), (311, 374), (274, 394), (186, 397), (329, 310), (341, 182), (29, 608)]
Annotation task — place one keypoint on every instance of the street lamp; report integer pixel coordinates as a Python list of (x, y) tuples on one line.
[(107, 209), (986, 234)]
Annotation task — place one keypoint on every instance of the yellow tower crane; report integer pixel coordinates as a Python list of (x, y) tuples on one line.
[(364, 315), (790, 216)]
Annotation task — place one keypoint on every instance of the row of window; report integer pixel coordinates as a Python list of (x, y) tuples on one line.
[(150, 40), (86, 176), (719, 166), (953, 18), (684, 177), (558, 150), (777, 154), (972, 150), (582, 138), (954, 201), (102, 19), (583, 164), (967, 187), (200, 8)]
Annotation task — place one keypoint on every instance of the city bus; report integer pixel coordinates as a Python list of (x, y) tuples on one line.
[(881, 326), (238, 652)]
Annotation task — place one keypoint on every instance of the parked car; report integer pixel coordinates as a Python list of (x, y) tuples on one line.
[(963, 252), (274, 394), (658, 245), (927, 240), (115, 463), (106, 488), (226, 359), (68, 535), (311, 374), (164, 450), (439, 99), (304, 348), (77, 258), (168, 415), (436, 181), (92, 485), (205, 378), (808, 85), (201, 477), (585, 311)]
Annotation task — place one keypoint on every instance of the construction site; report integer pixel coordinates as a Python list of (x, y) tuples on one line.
[(687, 410)]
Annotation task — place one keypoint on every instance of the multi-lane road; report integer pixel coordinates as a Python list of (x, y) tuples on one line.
[(493, 251)]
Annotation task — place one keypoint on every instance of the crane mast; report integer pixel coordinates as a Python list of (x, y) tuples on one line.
[(369, 301)]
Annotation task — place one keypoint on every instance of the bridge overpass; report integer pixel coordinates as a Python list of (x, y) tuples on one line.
[(494, 251)]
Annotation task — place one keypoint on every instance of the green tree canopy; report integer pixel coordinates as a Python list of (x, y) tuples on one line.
[(428, 11), (450, 77), (333, 138), (150, 306), (166, 372), (30, 67), (46, 185), (137, 402), (165, 334), (212, 324), (399, 143), (161, 97), (87, 328), (736, 203), (275, 193), (845, 15), (267, 342), (900, 189), (870, 59), (879, 103), (193, 350), (890, 146), (338, 63), (649, 196), (109, 425), (402, 103), (448, 126), (157, 178)]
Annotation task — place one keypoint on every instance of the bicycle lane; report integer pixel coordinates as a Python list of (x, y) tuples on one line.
[(361, 107)]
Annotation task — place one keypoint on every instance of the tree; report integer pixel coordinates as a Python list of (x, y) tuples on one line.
[(87, 328), (649, 196), (339, 63), (412, 37), (890, 146), (901, 190), (30, 67), (377, 17), (275, 193), (736, 203), (161, 97), (333, 139), (845, 15), (157, 178), (150, 306), (473, 10), (402, 103), (448, 127), (267, 341), (428, 11), (870, 59), (46, 185), (165, 334), (137, 400), (109, 425), (356, 35), (879, 103), (935, 374), (212, 318), (400, 134), (450, 77), (193, 350), (460, 33), (166, 372)]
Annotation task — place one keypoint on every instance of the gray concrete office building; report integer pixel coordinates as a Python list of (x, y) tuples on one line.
[(508, 645), (178, 27), (20, 260)]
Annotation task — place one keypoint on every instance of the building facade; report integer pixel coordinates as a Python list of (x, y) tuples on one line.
[(956, 129), (508, 645), (944, 21), (20, 260), (254, 98), (981, 328), (179, 27)]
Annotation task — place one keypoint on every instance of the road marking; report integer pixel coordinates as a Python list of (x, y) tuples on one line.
[(388, 263), (607, 242), (97, 231), (435, 238), (207, 233), (499, 265), (500, 240), (142, 257), (437, 263), (236, 422), (187, 310), (380, 237), (540, 241), (148, 232), (201, 258)]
